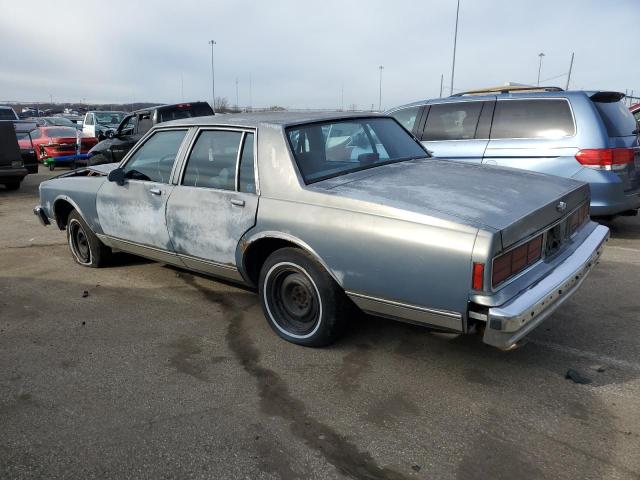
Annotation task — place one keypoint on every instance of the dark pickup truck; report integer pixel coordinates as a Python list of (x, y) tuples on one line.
[(136, 124), (17, 154)]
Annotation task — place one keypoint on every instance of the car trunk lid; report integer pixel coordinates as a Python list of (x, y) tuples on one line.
[(514, 202)]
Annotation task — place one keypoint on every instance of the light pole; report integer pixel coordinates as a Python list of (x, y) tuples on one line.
[(539, 67), (380, 90), (213, 78), (455, 42)]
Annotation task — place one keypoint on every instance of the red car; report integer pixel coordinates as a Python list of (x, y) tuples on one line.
[(53, 141)]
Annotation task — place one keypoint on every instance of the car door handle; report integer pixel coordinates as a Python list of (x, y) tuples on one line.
[(237, 203), (155, 191)]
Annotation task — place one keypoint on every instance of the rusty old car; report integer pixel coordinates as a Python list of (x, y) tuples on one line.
[(327, 213)]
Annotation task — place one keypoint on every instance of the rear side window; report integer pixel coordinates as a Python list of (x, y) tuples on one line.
[(7, 114), (407, 117), (452, 121), (212, 162), (543, 118), (617, 118)]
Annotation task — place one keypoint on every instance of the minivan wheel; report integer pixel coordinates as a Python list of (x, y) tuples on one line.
[(300, 300), (86, 248)]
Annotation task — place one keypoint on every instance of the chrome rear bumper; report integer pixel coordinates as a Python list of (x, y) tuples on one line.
[(42, 216), (510, 322)]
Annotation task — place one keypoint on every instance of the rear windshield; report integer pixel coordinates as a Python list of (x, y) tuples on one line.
[(7, 114), (185, 111), (330, 149), (617, 118), (61, 132), (109, 118)]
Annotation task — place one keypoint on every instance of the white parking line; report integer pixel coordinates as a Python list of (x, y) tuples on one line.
[(596, 357)]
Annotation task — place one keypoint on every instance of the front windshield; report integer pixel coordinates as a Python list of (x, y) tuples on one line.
[(329, 149), (109, 118)]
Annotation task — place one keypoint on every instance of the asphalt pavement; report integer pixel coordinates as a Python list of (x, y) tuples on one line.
[(156, 373)]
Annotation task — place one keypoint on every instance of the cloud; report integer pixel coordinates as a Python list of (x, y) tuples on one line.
[(302, 54)]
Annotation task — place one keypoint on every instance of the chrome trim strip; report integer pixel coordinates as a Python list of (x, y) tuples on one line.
[(208, 262), (408, 313)]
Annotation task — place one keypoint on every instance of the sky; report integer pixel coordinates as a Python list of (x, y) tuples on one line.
[(301, 54)]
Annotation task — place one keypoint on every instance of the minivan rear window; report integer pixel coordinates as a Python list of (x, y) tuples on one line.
[(617, 118), (184, 111), (534, 118)]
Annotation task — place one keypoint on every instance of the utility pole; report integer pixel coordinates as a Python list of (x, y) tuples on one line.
[(539, 67), (237, 93), (250, 95), (455, 42), (441, 80), (380, 90), (213, 77), (570, 68)]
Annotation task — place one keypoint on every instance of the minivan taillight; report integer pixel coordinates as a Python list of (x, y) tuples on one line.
[(606, 158)]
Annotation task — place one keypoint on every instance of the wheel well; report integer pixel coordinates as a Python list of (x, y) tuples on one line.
[(257, 254), (61, 211)]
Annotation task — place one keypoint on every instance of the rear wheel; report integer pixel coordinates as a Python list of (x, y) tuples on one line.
[(300, 300), (86, 248), (12, 185)]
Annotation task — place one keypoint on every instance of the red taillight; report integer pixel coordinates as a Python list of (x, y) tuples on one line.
[(606, 158), (516, 260), (477, 281)]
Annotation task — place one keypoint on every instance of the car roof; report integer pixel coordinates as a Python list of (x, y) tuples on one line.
[(280, 119), (494, 96)]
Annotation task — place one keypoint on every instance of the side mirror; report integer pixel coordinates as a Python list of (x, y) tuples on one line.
[(117, 175)]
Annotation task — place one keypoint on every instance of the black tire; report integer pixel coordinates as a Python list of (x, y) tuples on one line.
[(301, 301), (52, 165), (12, 185), (86, 248)]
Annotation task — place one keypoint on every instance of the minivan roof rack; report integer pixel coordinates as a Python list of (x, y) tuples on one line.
[(508, 89)]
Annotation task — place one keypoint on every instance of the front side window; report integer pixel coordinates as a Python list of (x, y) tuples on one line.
[(407, 117), (129, 125), (154, 160), (542, 118), (212, 162), (329, 149), (452, 121)]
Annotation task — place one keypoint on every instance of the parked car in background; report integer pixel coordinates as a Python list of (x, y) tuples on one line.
[(353, 211), (7, 113), (12, 169), (58, 122), (587, 136), (135, 125), (635, 110), (54, 142), (101, 124)]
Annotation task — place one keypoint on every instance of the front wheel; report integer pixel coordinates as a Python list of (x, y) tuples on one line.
[(301, 301), (86, 248)]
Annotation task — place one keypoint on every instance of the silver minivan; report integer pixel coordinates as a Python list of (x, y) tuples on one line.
[(585, 135)]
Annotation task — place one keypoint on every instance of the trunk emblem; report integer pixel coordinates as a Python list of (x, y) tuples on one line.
[(561, 207)]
